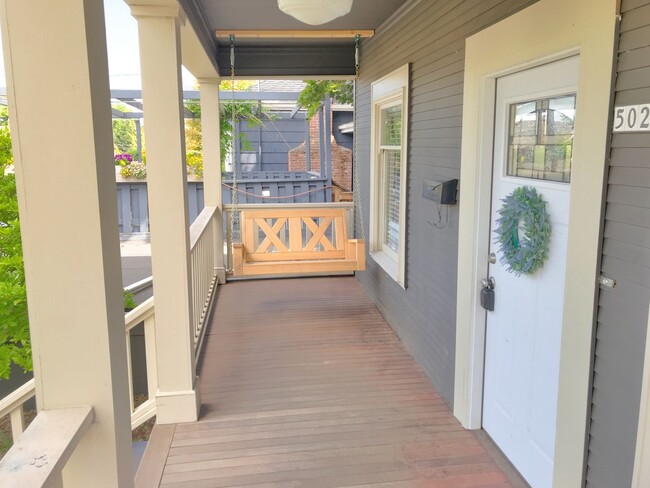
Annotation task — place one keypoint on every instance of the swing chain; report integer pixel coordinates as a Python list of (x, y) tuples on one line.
[(355, 159), (234, 216)]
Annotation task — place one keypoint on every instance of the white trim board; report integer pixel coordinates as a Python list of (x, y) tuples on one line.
[(544, 32), (392, 87), (641, 475)]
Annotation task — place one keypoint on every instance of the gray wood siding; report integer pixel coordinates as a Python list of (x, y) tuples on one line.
[(623, 311), (432, 38), (133, 208), (272, 141)]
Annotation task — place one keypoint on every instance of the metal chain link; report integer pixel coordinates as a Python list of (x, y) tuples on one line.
[(355, 160), (234, 215)]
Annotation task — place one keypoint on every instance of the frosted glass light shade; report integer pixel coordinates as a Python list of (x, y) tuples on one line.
[(315, 12)]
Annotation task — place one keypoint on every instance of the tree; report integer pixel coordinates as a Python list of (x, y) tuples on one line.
[(15, 344), (124, 137), (312, 96), (241, 109)]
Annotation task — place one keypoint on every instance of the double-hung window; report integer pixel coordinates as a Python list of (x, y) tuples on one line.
[(388, 173)]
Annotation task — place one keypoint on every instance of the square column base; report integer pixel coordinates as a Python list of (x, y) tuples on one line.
[(221, 276), (178, 407)]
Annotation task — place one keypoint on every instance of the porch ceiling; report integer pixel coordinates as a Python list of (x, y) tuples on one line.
[(282, 57)]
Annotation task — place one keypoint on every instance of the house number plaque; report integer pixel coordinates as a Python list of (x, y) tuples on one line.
[(632, 118)]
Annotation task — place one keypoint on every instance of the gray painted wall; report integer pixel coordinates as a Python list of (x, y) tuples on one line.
[(272, 142), (291, 186), (623, 311), (432, 38), (133, 209)]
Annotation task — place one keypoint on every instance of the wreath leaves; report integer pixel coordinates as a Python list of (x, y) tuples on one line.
[(525, 253)]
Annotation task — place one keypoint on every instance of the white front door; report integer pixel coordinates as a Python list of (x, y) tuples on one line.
[(533, 140)]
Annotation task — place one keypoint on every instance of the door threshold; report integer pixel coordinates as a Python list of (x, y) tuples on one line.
[(500, 459)]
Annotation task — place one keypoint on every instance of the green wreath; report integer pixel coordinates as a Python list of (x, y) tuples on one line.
[(526, 253)]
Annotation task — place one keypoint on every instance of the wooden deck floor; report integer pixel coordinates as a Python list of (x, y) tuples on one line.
[(304, 384)]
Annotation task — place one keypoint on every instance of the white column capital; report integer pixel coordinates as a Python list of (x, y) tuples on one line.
[(208, 81), (142, 11)]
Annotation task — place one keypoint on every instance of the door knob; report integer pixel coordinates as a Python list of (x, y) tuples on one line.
[(492, 258)]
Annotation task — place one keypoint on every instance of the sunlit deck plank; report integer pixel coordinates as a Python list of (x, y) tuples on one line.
[(304, 384)]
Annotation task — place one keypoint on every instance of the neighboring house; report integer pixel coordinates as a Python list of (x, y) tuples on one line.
[(499, 95)]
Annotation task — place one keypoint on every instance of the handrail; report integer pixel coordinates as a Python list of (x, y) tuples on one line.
[(13, 404), (261, 206), (37, 459), (203, 249), (200, 225), (139, 285), (138, 314), (17, 397)]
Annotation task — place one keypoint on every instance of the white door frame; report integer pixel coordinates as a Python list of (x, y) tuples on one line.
[(641, 474), (544, 32)]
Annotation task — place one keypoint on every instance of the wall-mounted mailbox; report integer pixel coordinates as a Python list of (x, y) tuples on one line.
[(442, 192)]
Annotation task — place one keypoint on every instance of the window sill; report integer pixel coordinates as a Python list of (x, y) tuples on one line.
[(388, 264)]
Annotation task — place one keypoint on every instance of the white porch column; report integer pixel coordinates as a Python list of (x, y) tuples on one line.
[(212, 161), (59, 104), (177, 399)]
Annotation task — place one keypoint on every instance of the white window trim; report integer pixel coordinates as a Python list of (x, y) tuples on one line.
[(391, 89)]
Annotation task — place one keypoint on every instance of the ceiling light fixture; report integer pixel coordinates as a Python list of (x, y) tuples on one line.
[(315, 12)]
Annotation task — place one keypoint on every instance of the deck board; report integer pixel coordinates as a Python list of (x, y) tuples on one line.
[(304, 384)]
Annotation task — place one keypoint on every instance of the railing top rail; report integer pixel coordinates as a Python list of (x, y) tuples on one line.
[(276, 206), (138, 314), (17, 397), (200, 224), (52, 438)]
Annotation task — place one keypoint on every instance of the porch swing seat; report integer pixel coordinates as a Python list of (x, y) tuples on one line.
[(296, 241)]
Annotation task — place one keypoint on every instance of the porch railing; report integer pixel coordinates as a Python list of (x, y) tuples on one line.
[(60, 445), (203, 248), (143, 314)]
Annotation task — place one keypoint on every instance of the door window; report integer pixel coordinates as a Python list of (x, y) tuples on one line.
[(540, 139)]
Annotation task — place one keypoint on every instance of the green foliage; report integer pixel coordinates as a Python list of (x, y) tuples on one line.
[(194, 160), (240, 110), (129, 302), (523, 231), (15, 346), (314, 93), (124, 134)]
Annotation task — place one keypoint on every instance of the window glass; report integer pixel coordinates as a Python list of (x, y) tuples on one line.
[(391, 175), (540, 142), (391, 126)]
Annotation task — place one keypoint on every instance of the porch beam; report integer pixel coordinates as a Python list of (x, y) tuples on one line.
[(295, 34), (212, 190), (177, 399), (74, 279), (292, 60)]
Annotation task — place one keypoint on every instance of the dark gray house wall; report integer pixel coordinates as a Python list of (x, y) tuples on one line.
[(271, 142), (344, 140), (623, 311), (432, 38)]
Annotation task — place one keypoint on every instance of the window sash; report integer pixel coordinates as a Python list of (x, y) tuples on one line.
[(391, 196)]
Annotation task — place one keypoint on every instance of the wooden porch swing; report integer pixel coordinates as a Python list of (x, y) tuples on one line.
[(295, 239)]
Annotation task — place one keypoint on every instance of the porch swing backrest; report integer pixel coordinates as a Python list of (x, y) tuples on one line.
[(290, 241)]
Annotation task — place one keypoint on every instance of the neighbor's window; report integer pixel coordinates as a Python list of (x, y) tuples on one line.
[(388, 205)]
